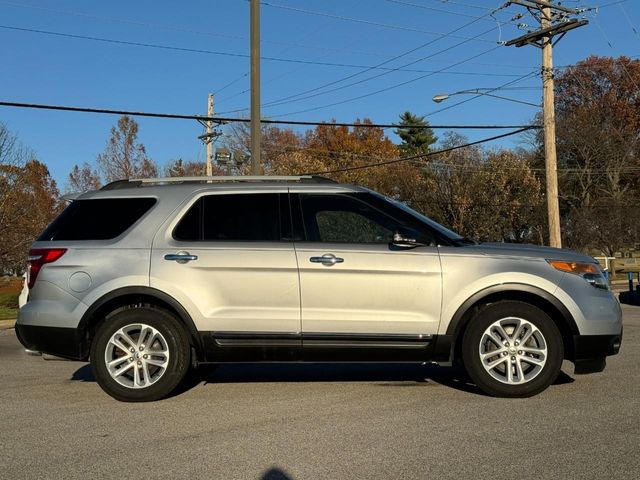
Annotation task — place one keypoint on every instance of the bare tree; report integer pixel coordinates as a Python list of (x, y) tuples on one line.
[(124, 157), (180, 168), (489, 195), (83, 179), (598, 125)]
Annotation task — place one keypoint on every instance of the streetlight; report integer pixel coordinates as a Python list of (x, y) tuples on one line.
[(479, 91)]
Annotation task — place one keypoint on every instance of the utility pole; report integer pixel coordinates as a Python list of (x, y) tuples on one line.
[(554, 20), (256, 164), (210, 136), (549, 114)]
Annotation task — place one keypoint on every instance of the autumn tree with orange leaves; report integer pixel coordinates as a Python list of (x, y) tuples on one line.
[(598, 138), (327, 149), (483, 194), (29, 200)]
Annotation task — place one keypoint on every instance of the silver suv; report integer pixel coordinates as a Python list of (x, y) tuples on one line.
[(149, 278)]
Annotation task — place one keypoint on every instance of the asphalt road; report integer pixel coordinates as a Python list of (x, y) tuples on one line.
[(320, 422)]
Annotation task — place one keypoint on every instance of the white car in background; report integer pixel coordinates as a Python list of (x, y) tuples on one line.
[(24, 294)]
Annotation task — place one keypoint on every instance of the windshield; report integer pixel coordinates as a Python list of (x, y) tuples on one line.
[(445, 232)]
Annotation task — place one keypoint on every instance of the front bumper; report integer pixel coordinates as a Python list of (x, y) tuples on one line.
[(592, 346), (61, 342), (590, 351)]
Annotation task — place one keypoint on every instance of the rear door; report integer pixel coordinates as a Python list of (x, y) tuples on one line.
[(228, 258)]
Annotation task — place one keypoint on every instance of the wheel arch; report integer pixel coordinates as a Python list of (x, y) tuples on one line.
[(134, 295), (530, 294)]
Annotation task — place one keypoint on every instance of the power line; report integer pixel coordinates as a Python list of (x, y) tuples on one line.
[(282, 100), (449, 166), (465, 73), (284, 73), (386, 89), (341, 87), (624, 67), (631, 25), (281, 74), (420, 155), (191, 50), (617, 2), (464, 4), (180, 29), (442, 10), (461, 102), (302, 94), (246, 120), (366, 22), (232, 82), (123, 21)]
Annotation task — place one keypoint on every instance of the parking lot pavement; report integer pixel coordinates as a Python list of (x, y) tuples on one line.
[(320, 421)]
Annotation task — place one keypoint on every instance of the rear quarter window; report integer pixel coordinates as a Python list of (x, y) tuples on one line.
[(99, 219)]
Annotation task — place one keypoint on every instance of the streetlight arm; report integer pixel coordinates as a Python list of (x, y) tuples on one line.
[(512, 100), (444, 96)]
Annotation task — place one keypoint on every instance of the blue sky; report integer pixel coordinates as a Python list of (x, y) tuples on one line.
[(43, 68)]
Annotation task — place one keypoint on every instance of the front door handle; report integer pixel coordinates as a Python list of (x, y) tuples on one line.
[(327, 259), (180, 257)]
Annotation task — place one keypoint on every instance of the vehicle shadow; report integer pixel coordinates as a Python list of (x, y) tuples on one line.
[(389, 375), (275, 474), (381, 374)]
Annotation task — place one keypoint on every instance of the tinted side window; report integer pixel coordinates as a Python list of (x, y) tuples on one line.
[(100, 219), (234, 217), (189, 229), (350, 227), (343, 219)]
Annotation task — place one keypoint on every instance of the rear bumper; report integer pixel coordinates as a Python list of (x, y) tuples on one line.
[(61, 342)]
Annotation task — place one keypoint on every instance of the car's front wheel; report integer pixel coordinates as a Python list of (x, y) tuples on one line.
[(512, 349), (140, 354)]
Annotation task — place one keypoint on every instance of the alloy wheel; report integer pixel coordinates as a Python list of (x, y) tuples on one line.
[(513, 350), (136, 356)]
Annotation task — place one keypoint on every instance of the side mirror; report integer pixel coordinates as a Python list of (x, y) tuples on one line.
[(405, 239)]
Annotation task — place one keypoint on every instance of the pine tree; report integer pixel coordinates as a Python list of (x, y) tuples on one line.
[(415, 140)]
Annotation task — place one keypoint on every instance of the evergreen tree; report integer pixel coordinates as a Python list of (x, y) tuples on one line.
[(415, 140)]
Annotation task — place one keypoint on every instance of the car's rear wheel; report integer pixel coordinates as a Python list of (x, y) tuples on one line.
[(512, 349), (140, 354)]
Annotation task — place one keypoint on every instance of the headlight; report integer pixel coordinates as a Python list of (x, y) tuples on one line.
[(591, 272)]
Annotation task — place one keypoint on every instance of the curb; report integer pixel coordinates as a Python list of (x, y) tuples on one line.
[(7, 324)]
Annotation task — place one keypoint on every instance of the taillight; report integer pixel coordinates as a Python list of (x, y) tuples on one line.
[(39, 257)]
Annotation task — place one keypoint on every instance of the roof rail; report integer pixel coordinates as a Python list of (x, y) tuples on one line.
[(137, 182), (118, 184)]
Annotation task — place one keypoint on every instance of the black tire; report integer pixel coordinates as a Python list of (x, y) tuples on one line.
[(177, 344), (473, 336)]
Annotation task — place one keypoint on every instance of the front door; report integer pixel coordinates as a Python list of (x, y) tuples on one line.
[(358, 290)]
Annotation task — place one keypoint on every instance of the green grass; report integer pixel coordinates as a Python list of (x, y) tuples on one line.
[(8, 305), (7, 313), (9, 291)]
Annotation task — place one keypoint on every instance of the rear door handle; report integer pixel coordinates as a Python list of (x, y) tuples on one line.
[(328, 259), (180, 257)]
